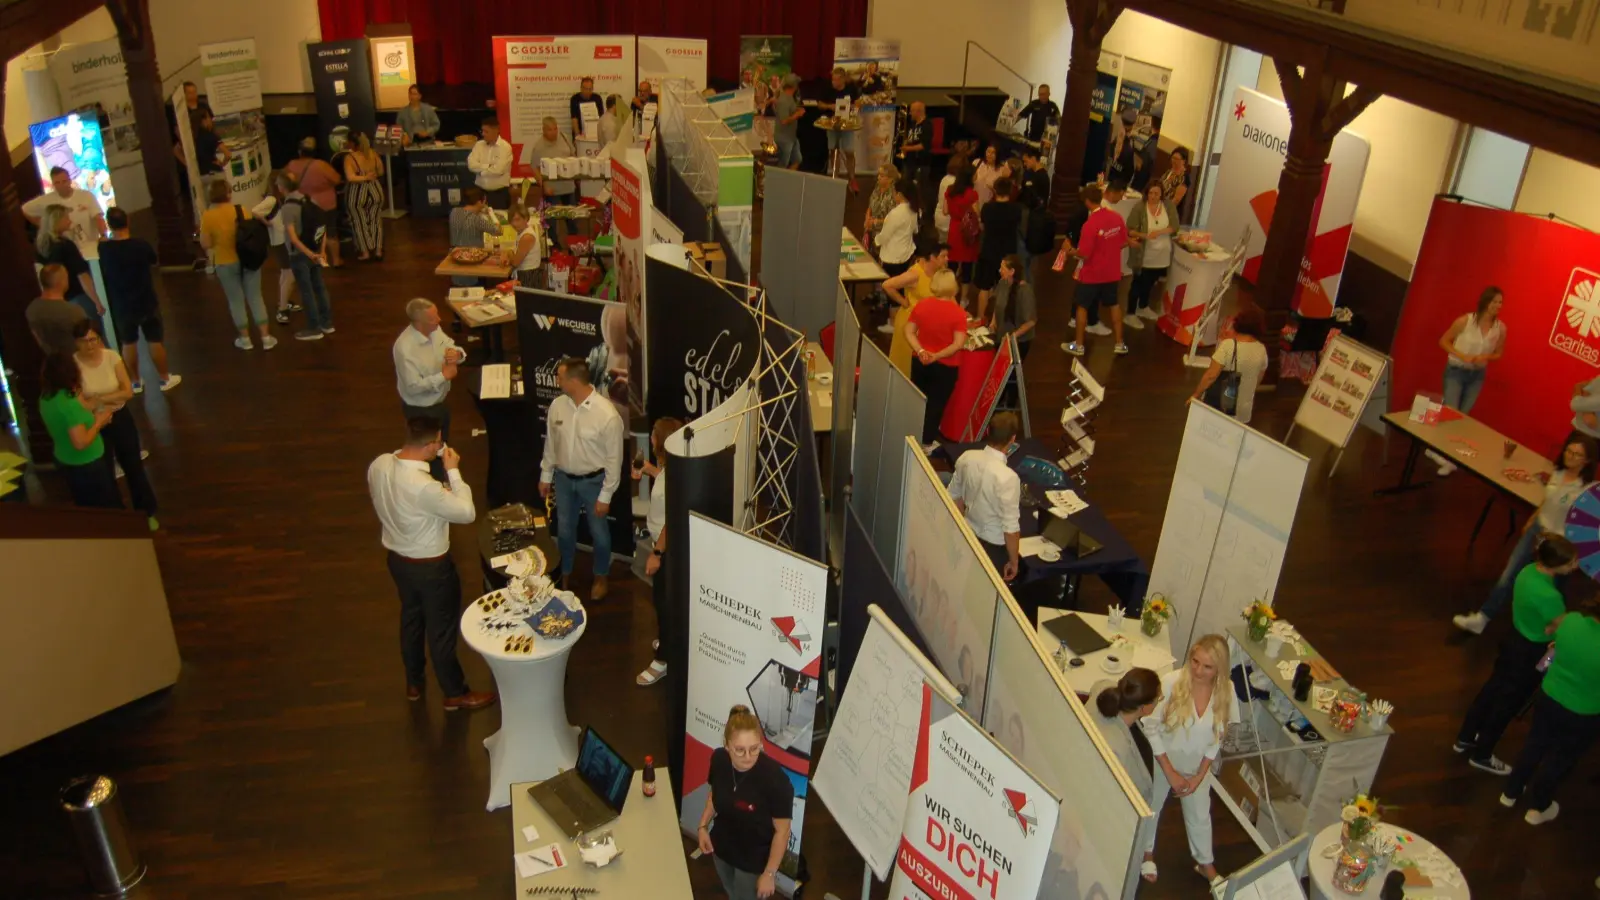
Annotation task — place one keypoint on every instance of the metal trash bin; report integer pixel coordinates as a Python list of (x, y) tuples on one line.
[(109, 857)]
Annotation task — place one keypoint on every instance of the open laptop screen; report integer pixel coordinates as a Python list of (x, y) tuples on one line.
[(604, 770)]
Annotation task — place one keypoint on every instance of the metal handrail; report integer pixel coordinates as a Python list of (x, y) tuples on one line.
[(170, 83), (966, 60)]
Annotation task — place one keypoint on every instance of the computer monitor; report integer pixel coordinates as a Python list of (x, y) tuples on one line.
[(604, 770)]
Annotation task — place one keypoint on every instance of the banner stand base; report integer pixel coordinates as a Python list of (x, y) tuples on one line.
[(1196, 362)]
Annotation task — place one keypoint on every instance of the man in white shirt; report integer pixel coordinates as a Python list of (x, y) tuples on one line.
[(426, 361), (582, 466), (88, 219), (490, 160), (416, 512), (989, 494)]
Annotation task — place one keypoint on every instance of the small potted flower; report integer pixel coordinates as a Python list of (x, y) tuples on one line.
[(1258, 618), (1157, 610), (1361, 815)]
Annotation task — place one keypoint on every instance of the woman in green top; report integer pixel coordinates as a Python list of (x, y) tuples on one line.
[(1566, 716), (1536, 604), (75, 430)]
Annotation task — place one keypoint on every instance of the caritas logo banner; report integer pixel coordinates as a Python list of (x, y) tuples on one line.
[(1253, 153), (977, 826)]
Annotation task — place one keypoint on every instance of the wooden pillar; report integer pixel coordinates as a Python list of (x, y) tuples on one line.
[(1091, 21), (21, 286), (173, 229)]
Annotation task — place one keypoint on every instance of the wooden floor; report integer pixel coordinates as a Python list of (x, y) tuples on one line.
[(287, 763)]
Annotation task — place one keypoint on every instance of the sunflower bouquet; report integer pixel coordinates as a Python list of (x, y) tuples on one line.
[(1361, 815), (1259, 617), (1157, 610)]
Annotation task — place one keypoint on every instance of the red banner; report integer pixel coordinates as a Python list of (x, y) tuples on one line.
[(1548, 273)]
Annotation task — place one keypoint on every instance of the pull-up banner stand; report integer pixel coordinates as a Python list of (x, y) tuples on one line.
[(1000, 372), (1350, 375)]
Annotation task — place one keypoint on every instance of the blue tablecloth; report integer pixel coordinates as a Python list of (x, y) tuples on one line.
[(1116, 563)]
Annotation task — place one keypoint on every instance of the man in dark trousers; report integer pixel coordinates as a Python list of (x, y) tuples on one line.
[(126, 263)]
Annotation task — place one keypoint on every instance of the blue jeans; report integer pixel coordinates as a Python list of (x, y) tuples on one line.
[(242, 287), (313, 292), (1461, 387), (789, 152), (1521, 556), (575, 496)]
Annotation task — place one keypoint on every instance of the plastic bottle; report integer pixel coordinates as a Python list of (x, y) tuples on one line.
[(649, 776)]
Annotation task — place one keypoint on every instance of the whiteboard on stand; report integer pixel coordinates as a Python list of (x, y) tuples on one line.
[(1345, 383)]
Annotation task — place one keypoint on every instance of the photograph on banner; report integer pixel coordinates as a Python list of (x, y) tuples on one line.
[(978, 824), (92, 77), (1246, 192), (631, 213), (756, 614), (565, 326), (940, 573), (536, 78), (1097, 155), (763, 61), (873, 66), (393, 71), (1144, 89), (341, 78), (74, 143), (232, 76)]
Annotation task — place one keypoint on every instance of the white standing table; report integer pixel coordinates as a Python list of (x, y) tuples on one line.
[(535, 740), (1448, 882), (1191, 280), (653, 863), (1134, 647)]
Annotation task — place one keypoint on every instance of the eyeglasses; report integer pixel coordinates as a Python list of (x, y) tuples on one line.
[(745, 752)]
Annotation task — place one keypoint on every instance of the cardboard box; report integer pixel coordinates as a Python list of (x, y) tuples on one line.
[(1241, 778), (716, 262)]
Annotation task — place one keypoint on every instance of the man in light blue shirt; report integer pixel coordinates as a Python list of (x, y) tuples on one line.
[(426, 360)]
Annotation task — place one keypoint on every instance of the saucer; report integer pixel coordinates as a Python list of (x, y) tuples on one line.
[(825, 378), (1114, 665), (1050, 555)]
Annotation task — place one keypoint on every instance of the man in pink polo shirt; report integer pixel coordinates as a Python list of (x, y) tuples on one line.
[(1100, 252)]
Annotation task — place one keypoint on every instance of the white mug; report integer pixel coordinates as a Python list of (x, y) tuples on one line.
[(1274, 645)]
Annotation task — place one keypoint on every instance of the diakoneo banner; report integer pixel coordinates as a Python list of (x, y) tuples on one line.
[(1247, 191), (977, 824), (93, 76), (1549, 272), (661, 58), (341, 77), (1144, 88), (631, 213), (755, 638), (874, 66), (535, 77), (1101, 104), (232, 75)]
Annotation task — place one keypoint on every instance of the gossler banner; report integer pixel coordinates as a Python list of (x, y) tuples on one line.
[(341, 76), (755, 638), (1550, 275), (663, 58), (978, 824), (535, 78), (1247, 192), (631, 212), (874, 66)]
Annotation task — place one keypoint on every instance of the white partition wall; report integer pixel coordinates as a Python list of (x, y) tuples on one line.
[(846, 352)]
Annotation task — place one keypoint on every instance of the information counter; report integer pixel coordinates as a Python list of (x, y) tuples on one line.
[(1191, 279), (437, 174)]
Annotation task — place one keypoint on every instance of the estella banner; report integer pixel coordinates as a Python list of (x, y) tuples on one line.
[(536, 76), (1549, 273), (1253, 153), (978, 825)]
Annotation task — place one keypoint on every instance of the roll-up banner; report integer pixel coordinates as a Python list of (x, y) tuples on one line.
[(978, 824), (874, 66), (1144, 88), (232, 75), (1101, 105), (535, 78), (764, 59), (341, 76), (393, 70), (755, 639), (1246, 193), (92, 75), (662, 58), (703, 342), (631, 213)]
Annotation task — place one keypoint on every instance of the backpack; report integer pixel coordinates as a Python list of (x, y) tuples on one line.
[(251, 239)]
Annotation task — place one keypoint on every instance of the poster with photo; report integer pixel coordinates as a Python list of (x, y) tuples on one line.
[(1144, 88), (393, 71), (535, 78), (1102, 105), (1344, 385), (874, 66), (92, 77), (74, 143)]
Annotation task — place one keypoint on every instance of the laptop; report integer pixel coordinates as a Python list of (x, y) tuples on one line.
[(1070, 538), (1079, 636), (590, 794)]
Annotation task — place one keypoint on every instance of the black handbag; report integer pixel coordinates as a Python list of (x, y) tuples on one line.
[(1223, 394)]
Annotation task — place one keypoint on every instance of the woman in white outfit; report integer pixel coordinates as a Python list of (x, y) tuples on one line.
[(1470, 344), (1185, 733)]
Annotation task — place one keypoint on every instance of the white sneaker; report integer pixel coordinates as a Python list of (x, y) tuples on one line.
[(1535, 817), (1445, 468), (1099, 328), (886, 328), (172, 381), (1148, 313), (1474, 622), (1073, 347), (1133, 322), (1494, 765), (1120, 349), (244, 343), (1507, 802), (268, 342)]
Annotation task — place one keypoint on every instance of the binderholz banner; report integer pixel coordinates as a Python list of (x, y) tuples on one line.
[(341, 77)]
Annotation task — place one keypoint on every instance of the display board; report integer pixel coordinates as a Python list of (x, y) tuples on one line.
[(341, 77), (864, 775), (1246, 192), (93, 75), (394, 62), (945, 577), (1144, 88), (704, 342), (737, 110), (661, 58), (1033, 714), (994, 384), (798, 250), (631, 212), (1108, 72), (872, 64), (232, 76), (755, 638), (1344, 385), (536, 76), (978, 824)]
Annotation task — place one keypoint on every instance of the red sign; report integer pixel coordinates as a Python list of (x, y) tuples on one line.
[(624, 200), (608, 51), (988, 393)]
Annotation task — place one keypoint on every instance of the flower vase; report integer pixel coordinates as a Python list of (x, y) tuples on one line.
[(1258, 630), (1150, 625), (1355, 867)]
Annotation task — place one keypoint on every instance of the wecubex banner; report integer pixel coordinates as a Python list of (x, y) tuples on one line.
[(1247, 192), (977, 825)]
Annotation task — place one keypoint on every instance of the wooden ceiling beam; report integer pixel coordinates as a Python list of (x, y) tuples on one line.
[(1556, 116), (28, 22)]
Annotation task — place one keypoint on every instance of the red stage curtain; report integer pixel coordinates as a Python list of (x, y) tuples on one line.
[(452, 36)]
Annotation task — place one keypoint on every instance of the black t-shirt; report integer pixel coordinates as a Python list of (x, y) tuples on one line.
[(1002, 221), (746, 803), (206, 145), (829, 96), (638, 105), (917, 133), (66, 254), (1039, 114), (873, 84), (577, 102), (1035, 188), (125, 265)]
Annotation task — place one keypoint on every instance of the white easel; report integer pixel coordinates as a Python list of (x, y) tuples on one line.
[(1213, 307), (1354, 368)]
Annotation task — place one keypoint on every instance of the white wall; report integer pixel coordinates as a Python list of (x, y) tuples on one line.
[(1193, 59), (281, 29), (1555, 184), (97, 26), (1031, 36), (1411, 150)]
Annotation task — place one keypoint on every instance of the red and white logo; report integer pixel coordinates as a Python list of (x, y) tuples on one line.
[(790, 633), (608, 51), (1576, 330), (1018, 807)]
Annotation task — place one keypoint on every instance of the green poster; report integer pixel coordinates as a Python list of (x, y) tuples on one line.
[(763, 61)]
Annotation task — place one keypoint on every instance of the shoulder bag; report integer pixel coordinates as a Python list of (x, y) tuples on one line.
[(1223, 394)]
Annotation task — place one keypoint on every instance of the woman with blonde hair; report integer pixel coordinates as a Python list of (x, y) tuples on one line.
[(55, 245), (364, 196), (749, 808), (1185, 734)]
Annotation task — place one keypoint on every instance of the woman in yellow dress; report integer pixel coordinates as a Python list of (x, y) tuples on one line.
[(906, 289)]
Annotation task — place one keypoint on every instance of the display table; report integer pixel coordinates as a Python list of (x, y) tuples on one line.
[(1191, 279), (652, 864), (491, 328), (1448, 882), (515, 440), (535, 741), (1489, 463), (493, 268), (1135, 648), (820, 389), (436, 174), (858, 271)]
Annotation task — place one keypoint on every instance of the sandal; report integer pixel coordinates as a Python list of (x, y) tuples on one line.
[(1147, 870), (656, 672), (1213, 879)]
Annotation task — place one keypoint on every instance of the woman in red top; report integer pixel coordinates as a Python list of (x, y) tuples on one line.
[(937, 331), (962, 200)]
